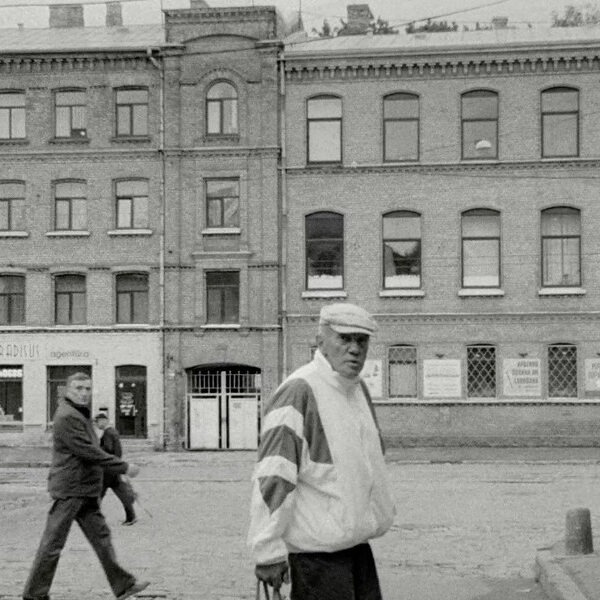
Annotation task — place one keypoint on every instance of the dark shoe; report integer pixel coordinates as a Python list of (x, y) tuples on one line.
[(136, 588), (130, 522)]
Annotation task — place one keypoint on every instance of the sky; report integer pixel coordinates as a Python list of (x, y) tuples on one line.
[(397, 12)]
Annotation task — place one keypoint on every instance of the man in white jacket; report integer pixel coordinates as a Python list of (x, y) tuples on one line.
[(320, 489)]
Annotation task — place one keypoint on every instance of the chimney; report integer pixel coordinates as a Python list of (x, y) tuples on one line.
[(114, 16), (499, 22), (359, 17), (198, 4), (66, 15)]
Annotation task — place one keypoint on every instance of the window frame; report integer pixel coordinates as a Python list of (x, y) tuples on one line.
[(131, 107), (69, 294), (414, 350), (339, 119), (328, 239), (576, 112), (463, 238), (11, 110), (488, 93), (10, 200), (83, 132), (132, 295), (131, 198), (485, 347), (208, 198), (10, 296), (544, 237), (407, 214), (69, 200), (576, 369), (388, 98), (223, 297), (219, 102)]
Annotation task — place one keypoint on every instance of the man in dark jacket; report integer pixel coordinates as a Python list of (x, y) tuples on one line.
[(75, 484), (111, 443)]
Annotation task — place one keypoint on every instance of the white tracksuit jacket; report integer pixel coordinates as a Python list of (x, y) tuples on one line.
[(320, 484)]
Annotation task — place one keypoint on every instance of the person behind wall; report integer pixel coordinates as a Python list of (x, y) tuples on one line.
[(110, 442), (320, 489), (75, 484)]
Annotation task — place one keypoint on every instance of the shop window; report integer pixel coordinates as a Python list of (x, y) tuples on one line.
[(70, 206), (223, 297), (132, 204), (402, 371), (222, 109), (560, 122), (401, 250), (132, 112), (12, 206), (70, 118), (401, 127), (56, 378), (324, 129), (132, 298), (12, 299), (324, 251), (222, 203), (70, 299), (11, 393), (479, 124), (481, 371), (12, 115), (562, 371), (481, 248), (561, 247), (130, 401)]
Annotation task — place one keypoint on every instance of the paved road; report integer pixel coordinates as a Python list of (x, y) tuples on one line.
[(464, 531)]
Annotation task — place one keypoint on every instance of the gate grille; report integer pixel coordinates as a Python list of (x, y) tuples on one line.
[(237, 381)]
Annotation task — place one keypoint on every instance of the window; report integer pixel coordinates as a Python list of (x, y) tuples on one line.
[(221, 109), (402, 371), (223, 296), (56, 380), (132, 298), (561, 247), (132, 204), (324, 129), (480, 124), (12, 115), (401, 250), (324, 251), (70, 206), (222, 203), (481, 248), (69, 304), (12, 299), (401, 127), (132, 112), (562, 371), (481, 372), (70, 114), (12, 206), (11, 393), (560, 122)]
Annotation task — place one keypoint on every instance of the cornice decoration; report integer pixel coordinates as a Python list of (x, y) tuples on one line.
[(264, 266), (119, 61), (220, 151), (81, 155), (315, 69), (218, 15)]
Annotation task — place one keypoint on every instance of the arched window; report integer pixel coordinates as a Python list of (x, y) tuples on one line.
[(70, 206), (12, 115), (324, 251), (132, 112), (401, 127), (221, 109), (132, 204), (324, 129), (402, 371), (481, 371), (479, 110), (560, 122), (481, 248), (132, 297), (561, 247), (12, 206), (12, 299), (70, 117), (401, 250), (69, 299), (562, 371)]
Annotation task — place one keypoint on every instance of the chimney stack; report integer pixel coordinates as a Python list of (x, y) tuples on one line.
[(114, 15), (198, 4), (66, 15)]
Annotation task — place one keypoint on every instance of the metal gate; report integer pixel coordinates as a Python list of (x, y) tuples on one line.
[(223, 407)]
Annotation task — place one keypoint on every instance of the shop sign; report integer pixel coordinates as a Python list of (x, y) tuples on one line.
[(592, 375), (442, 378), (372, 376), (61, 354), (522, 377), (20, 351), (9, 373)]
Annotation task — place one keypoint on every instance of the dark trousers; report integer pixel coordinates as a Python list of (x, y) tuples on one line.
[(122, 492), (86, 512), (345, 575)]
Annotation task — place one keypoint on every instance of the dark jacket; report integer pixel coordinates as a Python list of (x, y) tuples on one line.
[(110, 442), (77, 459)]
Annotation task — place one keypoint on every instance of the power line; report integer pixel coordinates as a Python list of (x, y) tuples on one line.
[(47, 5)]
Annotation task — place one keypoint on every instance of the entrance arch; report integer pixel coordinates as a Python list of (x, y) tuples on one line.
[(223, 404)]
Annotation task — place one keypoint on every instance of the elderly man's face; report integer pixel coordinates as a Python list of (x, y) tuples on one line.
[(79, 391), (346, 352)]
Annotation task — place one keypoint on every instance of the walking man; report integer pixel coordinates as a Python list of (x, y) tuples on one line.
[(320, 489), (75, 484), (111, 443)]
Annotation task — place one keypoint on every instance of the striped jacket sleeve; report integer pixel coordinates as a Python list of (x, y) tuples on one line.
[(276, 472)]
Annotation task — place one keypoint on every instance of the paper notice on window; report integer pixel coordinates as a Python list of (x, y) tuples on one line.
[(522, 377), (442, 378), (592, 375)]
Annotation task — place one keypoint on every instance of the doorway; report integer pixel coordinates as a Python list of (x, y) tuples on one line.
[(130, 401)]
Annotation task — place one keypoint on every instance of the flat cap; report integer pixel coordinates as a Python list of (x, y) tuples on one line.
[(344, 317)]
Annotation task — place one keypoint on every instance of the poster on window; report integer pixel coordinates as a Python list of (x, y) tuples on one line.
[(592, 375), (442, 378), (371, 375), (522, 377)]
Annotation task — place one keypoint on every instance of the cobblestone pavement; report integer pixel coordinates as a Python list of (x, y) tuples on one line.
[(476, 521)]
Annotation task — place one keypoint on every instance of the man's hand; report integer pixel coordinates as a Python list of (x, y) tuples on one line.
[(274, 574), (132, 470)]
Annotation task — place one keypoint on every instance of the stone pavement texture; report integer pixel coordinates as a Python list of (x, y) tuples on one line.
[(477, 514)]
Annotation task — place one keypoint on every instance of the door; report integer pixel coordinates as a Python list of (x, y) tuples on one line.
[(203, 422), (130, 401)]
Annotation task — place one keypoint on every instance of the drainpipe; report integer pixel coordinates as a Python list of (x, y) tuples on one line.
[(162, 224), (283, 217)]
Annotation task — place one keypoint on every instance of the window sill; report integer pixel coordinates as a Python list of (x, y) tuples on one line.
[(130, 232), (222, 137), (325, 294), (68, 140), (134, 139), (489, 292), (67, 233), (562, 291), (14, 234), (407, 293), (132, 325), (221, 231), (323, 165), (221, 326), (14, 142)]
